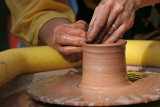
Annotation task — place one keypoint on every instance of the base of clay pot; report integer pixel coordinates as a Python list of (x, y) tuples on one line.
[(64, 90)]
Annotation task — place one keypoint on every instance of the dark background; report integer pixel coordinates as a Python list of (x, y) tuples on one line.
[(3, 26)]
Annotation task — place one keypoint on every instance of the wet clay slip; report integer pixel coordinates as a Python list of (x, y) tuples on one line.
[(104, 66), (104, 81)]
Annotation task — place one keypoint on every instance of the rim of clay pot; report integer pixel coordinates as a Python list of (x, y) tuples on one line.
[(119, 42)]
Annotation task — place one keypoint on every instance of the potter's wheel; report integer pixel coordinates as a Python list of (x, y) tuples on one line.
[(64, 90)]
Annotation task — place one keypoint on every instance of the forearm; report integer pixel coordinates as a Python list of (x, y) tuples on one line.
[(143, 3), (46, 32), (30, 15)]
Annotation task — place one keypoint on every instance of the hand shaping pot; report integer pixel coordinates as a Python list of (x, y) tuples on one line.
[(103, 82)]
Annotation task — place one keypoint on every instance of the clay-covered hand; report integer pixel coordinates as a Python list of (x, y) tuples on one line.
[(68, 40), (111, 19)]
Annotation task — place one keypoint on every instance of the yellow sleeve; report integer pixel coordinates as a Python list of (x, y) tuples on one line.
[(28, 16)]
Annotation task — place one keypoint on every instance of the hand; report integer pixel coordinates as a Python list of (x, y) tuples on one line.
[(68, 40), (111, 19)]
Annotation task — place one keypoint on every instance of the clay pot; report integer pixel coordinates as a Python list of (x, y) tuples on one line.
[(104, 66), (103, 82)]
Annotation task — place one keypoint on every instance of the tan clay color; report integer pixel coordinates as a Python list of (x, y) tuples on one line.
[(104, 66), (103, 81)]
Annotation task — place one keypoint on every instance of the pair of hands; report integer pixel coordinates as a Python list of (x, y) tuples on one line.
[(68, 38)]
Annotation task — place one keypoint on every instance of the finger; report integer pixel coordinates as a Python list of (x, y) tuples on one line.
[(81, 25), (95, 14), (69, 50), (75, 32), (70, 40), (73, 57), (82, 22), (99, 22), (69, 53), (96, 11), (117, 34), (117, 23), (104, 34), (100, 37), (126, 23), (113, 16)]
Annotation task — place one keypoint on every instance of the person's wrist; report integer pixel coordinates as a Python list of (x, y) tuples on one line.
[(46, 32)]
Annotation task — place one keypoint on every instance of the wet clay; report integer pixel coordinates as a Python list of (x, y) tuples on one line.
[(104, 66), (103, 81)]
